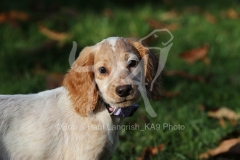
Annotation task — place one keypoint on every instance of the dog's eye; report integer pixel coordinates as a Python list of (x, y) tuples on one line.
[(132, 63), (102, 70)]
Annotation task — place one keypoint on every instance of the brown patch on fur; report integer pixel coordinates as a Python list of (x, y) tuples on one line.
[(80, 84), (151, 66)]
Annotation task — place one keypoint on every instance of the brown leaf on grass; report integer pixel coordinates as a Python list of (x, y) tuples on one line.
[(225, 147), (210, 18), (154, 24), (151, 151), (195, 54), (18, 15), (54, 80), (3, 17), (230, 13), (185, 75), (224, 112), (57, 36), (13, 16)]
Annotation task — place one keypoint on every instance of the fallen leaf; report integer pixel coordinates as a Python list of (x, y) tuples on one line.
[(195, 54), (18, 15), (158, 25), (151, 151), (13, 16), (52, 34), (3, 17), (54, 80), (210, 18), (185, 75), (224, 112), (230, 13), (227, 146)]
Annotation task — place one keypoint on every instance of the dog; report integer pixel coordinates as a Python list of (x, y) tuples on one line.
[(73, 121)]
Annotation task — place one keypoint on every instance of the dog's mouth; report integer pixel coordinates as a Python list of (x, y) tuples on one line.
[(123, 107), (127, 111)]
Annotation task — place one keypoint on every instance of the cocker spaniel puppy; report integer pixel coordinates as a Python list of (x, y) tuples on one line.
[(74, 121)]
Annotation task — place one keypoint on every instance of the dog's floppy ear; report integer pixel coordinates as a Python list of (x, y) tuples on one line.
[(151, 62), (80, 84)]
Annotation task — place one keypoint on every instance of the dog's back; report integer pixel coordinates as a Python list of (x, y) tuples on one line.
[(45, 126), (25, 123)]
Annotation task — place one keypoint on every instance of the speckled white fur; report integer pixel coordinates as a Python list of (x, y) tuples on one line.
[(45, 126), (112, 41)]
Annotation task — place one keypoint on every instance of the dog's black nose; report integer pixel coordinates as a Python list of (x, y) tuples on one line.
[(123, 91)]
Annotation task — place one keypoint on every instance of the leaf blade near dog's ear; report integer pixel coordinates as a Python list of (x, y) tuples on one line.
[(196, 54)]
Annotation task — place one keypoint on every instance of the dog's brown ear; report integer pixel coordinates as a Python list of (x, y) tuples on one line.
[(79, 82), (151, 62)]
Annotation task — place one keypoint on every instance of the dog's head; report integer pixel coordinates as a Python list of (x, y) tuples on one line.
[(115, 69)]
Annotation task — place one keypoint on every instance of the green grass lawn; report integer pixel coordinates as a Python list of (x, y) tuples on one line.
[(25, 64)]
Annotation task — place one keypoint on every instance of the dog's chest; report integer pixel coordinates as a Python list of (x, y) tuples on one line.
[(96, 139)]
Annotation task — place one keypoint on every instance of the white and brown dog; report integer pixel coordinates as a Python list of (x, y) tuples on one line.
[(73, 121)]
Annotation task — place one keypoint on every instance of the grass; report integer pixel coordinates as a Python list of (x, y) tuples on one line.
[(24, 67)]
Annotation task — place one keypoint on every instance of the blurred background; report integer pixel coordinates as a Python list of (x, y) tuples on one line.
[(201, 81)]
